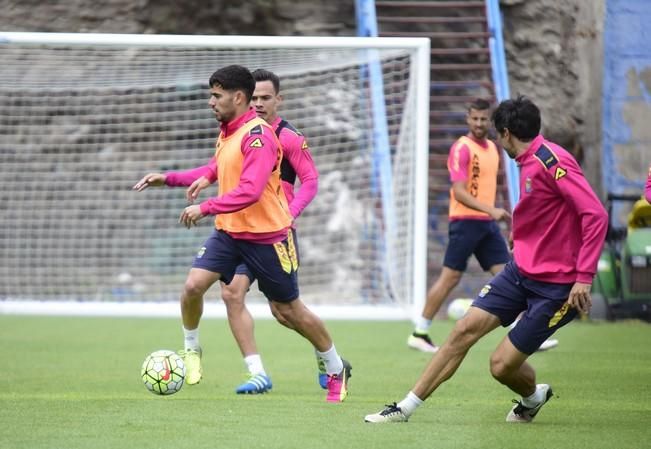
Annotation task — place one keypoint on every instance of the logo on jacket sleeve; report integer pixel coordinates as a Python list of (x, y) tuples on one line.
[(560, 172), (256, 130), (546, 156), (257, 143)]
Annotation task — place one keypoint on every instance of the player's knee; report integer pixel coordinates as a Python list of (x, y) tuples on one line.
[(463, 336), (499, 368), (284, 314), (232, 297), (280, 318), (193, 289)]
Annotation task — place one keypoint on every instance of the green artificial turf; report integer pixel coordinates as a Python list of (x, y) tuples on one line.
[(75, 383)]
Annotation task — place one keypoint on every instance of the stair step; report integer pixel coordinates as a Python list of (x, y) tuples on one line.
[(432, 20), (460, 51), (452, 99), (430, 4), (437, 34), (461, 83), (460, 66)]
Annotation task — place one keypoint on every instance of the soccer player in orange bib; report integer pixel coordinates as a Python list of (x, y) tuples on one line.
[(297, 163), (252, 225), (473, 164)]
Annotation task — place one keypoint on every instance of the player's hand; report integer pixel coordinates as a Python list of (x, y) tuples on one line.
[(580, 297), (197, 186), (150, 180), (190, 216), (499, 214)]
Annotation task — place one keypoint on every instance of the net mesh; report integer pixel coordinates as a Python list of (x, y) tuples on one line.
[(79, 125)]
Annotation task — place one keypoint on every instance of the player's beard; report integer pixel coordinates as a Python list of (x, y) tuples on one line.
[(222, 117), (479, 134)]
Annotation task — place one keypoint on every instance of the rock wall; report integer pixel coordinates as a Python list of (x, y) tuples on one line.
[(554, 47), (555, 56), (254, 17)]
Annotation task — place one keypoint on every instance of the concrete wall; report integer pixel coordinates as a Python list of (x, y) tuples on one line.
[(627, 95)]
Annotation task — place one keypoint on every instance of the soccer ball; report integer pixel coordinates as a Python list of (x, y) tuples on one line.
[(163, 372), (458, 308)]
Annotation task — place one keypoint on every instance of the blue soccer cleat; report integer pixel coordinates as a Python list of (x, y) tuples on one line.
[(257, 384)]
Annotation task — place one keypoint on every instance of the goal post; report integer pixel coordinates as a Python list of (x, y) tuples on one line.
[(85, 116)]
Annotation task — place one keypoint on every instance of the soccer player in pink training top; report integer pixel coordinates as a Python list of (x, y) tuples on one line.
[(647, 188), (297, 161), (252, 225), (559, 226)]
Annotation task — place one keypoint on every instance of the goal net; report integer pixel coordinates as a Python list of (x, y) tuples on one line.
[(85, 116)]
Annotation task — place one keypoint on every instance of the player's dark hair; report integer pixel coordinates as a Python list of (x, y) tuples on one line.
[(479, 104), (232, 78), (520, 116), (266, 75)]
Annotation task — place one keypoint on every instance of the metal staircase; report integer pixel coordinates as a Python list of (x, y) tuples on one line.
[(460, 72)]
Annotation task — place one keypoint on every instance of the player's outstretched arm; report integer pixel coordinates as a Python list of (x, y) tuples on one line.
[(150, 180), (197, 186)]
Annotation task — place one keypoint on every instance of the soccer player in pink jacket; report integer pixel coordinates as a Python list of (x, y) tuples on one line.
[(253, 226), (647, 188), (297, 162), (559, 227)]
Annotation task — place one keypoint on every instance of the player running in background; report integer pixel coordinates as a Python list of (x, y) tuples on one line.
[(252, 225), (473, 165), (559, 226)]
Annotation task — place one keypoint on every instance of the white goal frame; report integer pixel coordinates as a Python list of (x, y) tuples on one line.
[(420, 61)]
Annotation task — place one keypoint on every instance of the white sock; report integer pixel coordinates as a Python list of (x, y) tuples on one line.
[(253, 363), (410, 403), (422, 325), (191, 338), (333, 362), (535, 399)]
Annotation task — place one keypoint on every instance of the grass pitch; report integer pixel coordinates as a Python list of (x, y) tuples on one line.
[(73, 383)]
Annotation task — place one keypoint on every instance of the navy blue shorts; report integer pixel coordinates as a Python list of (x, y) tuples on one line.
[(243, 269), (273, 265), (479, 237), (545, 306)]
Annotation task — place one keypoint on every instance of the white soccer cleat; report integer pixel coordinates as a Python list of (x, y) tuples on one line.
[(421, 342), (521, 414), (390, 413)]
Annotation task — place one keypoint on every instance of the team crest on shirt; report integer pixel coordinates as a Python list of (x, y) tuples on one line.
[(257, 143), (527, 185), (201, 252), (484, 291)]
